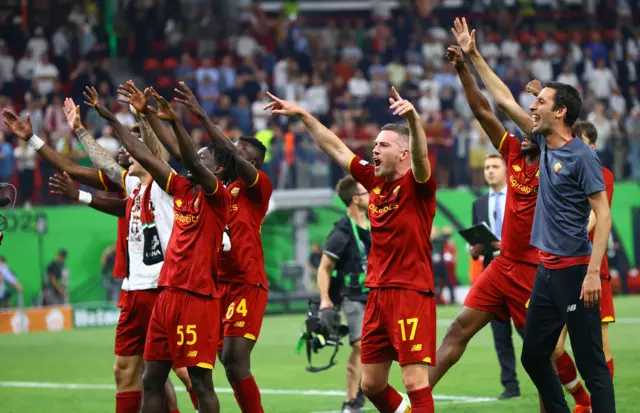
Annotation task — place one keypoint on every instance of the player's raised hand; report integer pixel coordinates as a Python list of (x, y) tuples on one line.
[(123, 158), (22, 129), (534, 87), (402, 107), (455, 56), (72, 113), (466, 39), (188, 98), (63, 185), (591, 288), (133, 96), (164, 111), (283, 107), (93, 101)]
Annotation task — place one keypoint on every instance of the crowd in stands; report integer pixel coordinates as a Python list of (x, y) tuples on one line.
[(341, 70)]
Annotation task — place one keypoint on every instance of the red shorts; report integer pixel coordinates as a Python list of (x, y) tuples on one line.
[(242, 307), (607, 313), (399, 324), (135, 312), (184, 328), (503, 289)]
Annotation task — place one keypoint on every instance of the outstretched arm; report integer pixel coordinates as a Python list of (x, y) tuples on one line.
[(63, 185), (496, 87), (155, 135), (245, 169), (326, 140), (479, 104), (99, 156), (158, 169), (23, 130), (190, 158), (420, 164)]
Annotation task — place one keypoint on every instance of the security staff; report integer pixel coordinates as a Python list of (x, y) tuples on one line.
[(341, 277)]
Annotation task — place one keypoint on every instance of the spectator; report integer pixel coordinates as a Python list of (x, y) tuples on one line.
[(47, 75), (432, 50), (7, 68), (55, 121), (56, 281), (246, 45), (429, 103), (25, 157), (568, 76), (108, 142), (124, 116), (604, 127), (317, 98), (241, 114), (541, 67), (34, 109), (632, 126), (227, 74), (25, 69), (260, 116), (6, 159), (617, 102), (359, 87), (38, 45), (185, 72), (601, 80), (208, 95), (7, 279)]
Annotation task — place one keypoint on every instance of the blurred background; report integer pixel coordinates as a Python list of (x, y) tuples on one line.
[(336, 58)]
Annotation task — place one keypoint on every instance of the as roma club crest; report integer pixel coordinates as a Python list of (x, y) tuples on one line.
[(557, 167), (234, 191)]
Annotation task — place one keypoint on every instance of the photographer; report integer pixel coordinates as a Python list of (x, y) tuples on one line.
[(341, 277)]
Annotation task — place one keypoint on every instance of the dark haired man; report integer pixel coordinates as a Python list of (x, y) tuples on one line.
[(567, 288), (399, 322), (341, 277)]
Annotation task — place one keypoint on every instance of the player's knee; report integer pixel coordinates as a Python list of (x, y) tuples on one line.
[(152, 384), (201, 383), (530, 358), (456, 333), (183, 375), (371, 384), (415, 377), (235, 362), (126, 374)]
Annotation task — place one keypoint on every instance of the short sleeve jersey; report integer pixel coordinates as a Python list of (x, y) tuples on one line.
[(244, 262), (520, 205), (607, 176), (401, 215), (191, 262), (568, 176)]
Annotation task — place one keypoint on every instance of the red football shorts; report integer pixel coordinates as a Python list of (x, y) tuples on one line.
[(136, 308), (242, 306), (400, 325), (607, 313), (503, 289), (184, 328)]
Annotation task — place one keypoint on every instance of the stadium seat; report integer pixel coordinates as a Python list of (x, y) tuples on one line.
[(171, 64), (151, 64)]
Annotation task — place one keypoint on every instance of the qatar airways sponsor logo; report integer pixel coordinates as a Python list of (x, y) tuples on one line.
[(525, 189), (185, 218)]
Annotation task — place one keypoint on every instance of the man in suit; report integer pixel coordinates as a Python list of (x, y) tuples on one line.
[(490, 208)]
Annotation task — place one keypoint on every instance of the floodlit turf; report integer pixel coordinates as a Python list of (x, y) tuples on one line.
[(84, 357)]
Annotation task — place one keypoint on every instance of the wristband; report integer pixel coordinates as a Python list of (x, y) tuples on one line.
[(35, 142), (84, 197)]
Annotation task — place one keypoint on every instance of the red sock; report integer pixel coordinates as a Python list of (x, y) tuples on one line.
[(569, 379), (610, 364), (236, 395), (248, 396), (128, 402), (422, 400), (387, 400), (175, 411), (194, 398)]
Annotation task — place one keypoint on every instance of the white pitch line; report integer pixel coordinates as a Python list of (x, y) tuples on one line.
[(444, 322), (290, 392)]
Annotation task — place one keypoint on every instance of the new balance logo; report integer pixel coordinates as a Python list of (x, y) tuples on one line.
[(416, 347), (192, 354), (238, 324), (571, 308)]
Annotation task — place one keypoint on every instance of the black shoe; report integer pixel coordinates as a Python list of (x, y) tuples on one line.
[(509, 394), (360, 399)]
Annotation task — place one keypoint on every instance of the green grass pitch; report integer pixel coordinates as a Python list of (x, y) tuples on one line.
[(31, 365)]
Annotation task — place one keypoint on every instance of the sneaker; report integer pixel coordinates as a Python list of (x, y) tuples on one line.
[(582, 409), (509, 394), (350, 407), (360, 399)]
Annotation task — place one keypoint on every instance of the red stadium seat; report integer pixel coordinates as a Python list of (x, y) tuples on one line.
[(159, 46), (190, 46), (494, 37), (561, 37), (151, 64), (171, 64), (164, 82)]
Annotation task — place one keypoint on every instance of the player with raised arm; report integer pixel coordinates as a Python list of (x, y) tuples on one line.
[(503, 289), (568, 285), (242, 281), (242, 277), (184, 326), (400, 315)]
